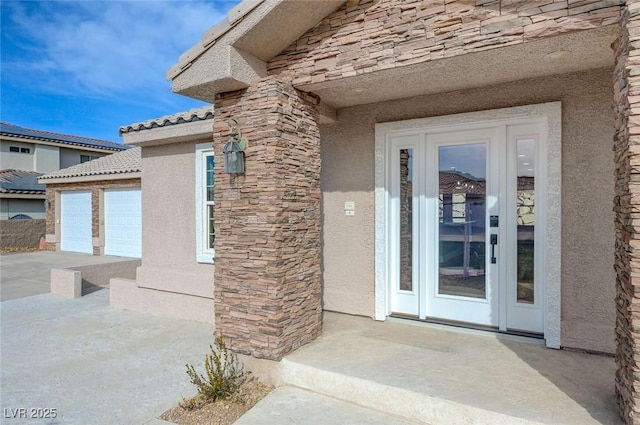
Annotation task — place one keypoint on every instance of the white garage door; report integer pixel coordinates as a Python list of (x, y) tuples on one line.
[(75, 222), (122, 223)]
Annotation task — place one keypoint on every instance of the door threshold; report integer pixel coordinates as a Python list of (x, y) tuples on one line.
[(469, 326)]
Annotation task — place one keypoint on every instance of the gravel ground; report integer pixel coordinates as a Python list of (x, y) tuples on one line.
[(223, 412), (18, 249)]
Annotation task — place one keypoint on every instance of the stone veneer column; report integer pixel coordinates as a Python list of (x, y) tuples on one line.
[(51, 218), (627, 209), (267, 265)]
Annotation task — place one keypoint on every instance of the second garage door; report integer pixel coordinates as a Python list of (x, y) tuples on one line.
[(122, 223)]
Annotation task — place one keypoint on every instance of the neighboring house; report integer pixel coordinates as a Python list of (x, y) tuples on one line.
[(353, 112), (95, 207), (28, 152), (21, 196), (22, 205)]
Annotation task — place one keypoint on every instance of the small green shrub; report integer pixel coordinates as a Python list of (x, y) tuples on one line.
[(224, 373), (193, 403)]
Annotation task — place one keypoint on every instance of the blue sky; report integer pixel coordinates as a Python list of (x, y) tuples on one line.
[(87, 67)]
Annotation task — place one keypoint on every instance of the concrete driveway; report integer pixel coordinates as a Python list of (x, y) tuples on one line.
[(91, 363)]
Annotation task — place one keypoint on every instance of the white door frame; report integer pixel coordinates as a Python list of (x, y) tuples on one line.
[(550, 115)]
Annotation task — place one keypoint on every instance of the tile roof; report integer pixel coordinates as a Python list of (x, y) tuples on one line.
[(197, 114), (129, 161), (7, 129), (20, 182)]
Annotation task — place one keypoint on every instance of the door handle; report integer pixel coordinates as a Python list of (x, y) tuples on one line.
[(494, 242)]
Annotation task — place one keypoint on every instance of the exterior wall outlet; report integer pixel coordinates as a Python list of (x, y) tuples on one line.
[(350, 208)]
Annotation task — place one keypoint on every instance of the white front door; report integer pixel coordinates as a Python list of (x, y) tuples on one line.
[(463, 191), (464, 225)]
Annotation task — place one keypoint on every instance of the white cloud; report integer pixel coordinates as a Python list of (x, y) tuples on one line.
[(107, 49)]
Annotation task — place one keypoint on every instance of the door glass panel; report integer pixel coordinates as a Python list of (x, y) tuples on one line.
[(525, 205), (210, 177), (211, 229), (210, 174), (406, 219), (462, 204)]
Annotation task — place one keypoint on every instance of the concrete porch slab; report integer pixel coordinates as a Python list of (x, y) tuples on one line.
[(442, 375)]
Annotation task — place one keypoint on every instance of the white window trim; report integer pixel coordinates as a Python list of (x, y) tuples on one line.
[(203, 254)]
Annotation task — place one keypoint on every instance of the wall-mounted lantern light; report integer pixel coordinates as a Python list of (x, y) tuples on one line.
[(233, 150), (46, 204)]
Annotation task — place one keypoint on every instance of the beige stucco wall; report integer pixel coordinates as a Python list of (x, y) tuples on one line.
[(46, 158), (588, 282), (41, 158), (69, 157), (16, 160), (168, 229)]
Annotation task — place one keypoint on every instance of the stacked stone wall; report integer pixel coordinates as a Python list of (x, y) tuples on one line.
[(267, 274), (95, 187), (370, 35), (627, 220)]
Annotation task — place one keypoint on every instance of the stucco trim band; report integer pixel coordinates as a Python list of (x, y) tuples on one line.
[(21, 196), (552, 152), (185, 132), (94, 177)]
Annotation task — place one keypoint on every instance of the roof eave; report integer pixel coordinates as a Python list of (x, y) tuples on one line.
[(8, 195), (219, 70), (234, 54), (59, 143), (210, 36)]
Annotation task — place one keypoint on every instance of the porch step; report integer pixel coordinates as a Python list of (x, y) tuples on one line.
[(437, 375), (295, 406), (390, 400)]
